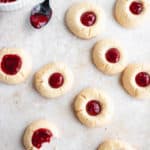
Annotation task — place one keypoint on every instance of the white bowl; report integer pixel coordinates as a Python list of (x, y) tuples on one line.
[(14, 5)]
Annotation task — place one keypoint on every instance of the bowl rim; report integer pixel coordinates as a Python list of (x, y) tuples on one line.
[(14, 5), (11, 3)]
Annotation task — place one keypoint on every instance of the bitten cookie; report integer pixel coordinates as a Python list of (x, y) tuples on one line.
[(15, 66), (38, 133), (85, 20), (53, 80), (136, 80), (131, 13), (93, 108), (109, 57), (115, 145)]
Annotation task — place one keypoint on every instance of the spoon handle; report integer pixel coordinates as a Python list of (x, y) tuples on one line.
[(46, 3)]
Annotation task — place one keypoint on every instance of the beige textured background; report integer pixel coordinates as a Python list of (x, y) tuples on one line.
[(21, 104)]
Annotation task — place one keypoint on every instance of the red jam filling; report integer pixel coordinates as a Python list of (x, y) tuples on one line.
[(38, 20), (7, 1), (56, 80), (11, 64), (113, 55), (136, 7), (93, 107), (41, 136), (88, 18), (142, 79)]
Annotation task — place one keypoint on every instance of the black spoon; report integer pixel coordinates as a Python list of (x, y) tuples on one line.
[(41, 14)]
